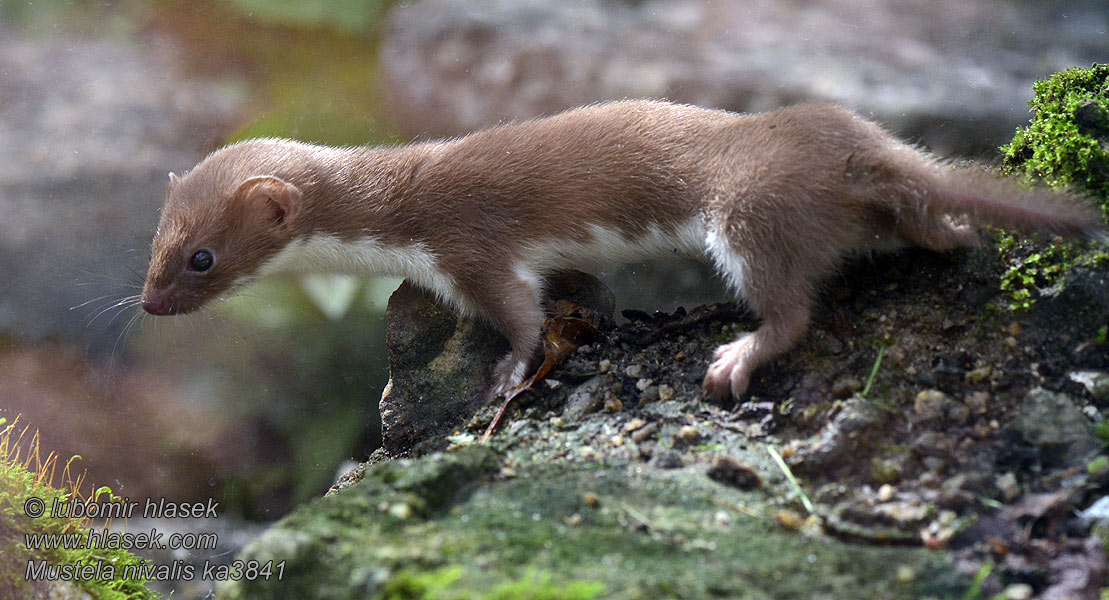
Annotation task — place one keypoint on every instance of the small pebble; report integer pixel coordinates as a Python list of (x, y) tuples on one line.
[(1008, 485), (689, 433), (1018, 591), (643, 384), (400, 511), (730, 471), (903, 512), (573, 520), (633, 370), (558, 421), (979, 402), (612, 403), (642, 434), (585, 349), (666, 459), (844, 387), (905, 574), (789, 519), (587, 452), (604, 365), (979, 375), (1095, 382), (591, 499), (634, 424), (665, 393), (553, 384), (929, 403), (617, 440), (508, 473), (885, 493)]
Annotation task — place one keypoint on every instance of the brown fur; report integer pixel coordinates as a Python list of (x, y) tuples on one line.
[(790, 193)]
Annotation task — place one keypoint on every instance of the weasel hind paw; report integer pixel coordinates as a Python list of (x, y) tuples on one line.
[(730, 373)]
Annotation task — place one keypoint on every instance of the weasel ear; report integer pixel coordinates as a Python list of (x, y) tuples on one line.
[(173, 180), (273, 199)]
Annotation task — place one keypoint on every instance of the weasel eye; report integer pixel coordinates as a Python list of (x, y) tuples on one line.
[(201, 261)]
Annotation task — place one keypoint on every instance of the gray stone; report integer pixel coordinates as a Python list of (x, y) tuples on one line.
[(953, 75), (586, 398), (439, 370), (440, 365), (1053, 423)]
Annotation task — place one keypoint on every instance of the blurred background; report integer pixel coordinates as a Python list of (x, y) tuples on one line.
[(259, 400)]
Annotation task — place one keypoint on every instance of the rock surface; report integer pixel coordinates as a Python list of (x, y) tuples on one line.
[(440, 365), (619, 481), (953, 75)]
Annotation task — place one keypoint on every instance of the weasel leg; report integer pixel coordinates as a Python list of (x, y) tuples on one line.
[(775, 279), (732, 364), (513, 309), (937, 232)]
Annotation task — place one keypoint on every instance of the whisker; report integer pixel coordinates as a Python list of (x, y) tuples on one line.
[(123, 332), (98, 310), (132, 286), (123, 302), (138, 275), (87, 302)]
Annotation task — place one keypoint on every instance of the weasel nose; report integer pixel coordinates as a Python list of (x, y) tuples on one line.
[(155, 303), (153, 306)]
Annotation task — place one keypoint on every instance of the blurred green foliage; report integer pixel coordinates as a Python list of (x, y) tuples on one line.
[(354, 16)]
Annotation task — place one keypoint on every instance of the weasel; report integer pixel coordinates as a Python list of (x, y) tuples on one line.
[(775, 201)]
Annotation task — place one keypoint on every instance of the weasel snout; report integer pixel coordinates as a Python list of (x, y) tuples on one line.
[(157, 302)]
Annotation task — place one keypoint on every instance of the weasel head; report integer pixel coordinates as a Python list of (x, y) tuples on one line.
[(219, 224)]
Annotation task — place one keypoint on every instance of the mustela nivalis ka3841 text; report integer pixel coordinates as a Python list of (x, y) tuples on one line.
[(775, 201)]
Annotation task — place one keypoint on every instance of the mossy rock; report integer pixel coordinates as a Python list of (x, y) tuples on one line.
[(1067, 142), (453, 526)]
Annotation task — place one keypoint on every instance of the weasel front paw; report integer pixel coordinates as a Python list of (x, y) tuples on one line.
[(730, 371), (508, 374)]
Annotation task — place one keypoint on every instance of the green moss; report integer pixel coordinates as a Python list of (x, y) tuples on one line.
[(1027, 272), (1065, 145), (539, 586), (415, 585), (18, 484), (437, 584), (1033, 270), (1067, 142), (533, 536)]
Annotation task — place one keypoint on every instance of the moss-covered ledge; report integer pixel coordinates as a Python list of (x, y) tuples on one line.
[(456, 525)]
